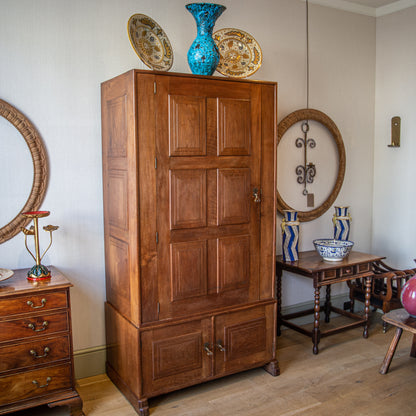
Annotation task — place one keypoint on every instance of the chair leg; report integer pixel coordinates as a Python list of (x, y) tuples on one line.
[(413, 350), (390, 352), (352, 306)]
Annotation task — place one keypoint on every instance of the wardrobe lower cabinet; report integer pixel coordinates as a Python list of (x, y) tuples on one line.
[(192, 352)]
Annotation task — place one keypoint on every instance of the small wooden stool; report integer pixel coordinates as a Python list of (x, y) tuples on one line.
[(401, 320)]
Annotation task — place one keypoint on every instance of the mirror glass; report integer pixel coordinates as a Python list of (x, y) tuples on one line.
[(16, 171)]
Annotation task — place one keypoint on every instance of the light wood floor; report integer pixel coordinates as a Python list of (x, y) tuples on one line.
[(343, 379)]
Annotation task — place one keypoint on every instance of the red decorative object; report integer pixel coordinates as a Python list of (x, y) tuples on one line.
[(408, 296)]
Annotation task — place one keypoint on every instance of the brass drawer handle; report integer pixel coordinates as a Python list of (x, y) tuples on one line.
[(219, 346), (36, 383), (207, 350), (30, 303), (46, 351), (44, 326)]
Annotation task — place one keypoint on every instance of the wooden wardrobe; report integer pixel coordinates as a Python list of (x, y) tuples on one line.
[(189, 168)]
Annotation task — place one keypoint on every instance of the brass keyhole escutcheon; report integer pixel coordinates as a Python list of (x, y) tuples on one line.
[(257, 195)]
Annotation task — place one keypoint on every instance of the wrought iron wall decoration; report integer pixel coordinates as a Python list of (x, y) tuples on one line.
[(320, 117), (307, 171)]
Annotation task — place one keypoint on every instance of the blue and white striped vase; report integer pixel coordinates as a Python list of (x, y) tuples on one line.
[(342, 223), (290, 235)]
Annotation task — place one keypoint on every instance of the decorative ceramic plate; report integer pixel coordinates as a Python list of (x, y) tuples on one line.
[(150, 42), (5, 274), (240, 54)]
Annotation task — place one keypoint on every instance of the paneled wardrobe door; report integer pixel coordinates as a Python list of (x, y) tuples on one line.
[(208, 150)]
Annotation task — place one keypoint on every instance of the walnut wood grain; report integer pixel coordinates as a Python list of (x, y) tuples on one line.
[(35, 303), (36, 352), (35, 383), (190, 252)]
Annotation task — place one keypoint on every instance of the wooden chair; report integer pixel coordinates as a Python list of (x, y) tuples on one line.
[(386, 287)]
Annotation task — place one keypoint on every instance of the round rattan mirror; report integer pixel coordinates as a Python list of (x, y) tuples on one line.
[(322, 118), (40, 169)]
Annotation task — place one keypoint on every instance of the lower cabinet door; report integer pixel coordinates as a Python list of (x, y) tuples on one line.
[(244, 339), (176, 356)]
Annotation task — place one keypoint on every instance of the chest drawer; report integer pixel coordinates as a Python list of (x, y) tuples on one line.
[(35, 352), (33, 303), (35, 383), (33, 326)]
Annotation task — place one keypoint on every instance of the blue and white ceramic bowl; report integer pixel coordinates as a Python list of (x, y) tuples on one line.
[(333, 250)]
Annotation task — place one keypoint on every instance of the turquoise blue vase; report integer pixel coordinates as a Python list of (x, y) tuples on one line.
[(203, 55)]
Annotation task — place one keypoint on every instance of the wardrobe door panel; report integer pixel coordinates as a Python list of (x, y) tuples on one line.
[(244, 339), (209, 160), (187, 134), (188, 259), (234, 132), (188, 206), (233, 263), (176, 356), (233, 196)]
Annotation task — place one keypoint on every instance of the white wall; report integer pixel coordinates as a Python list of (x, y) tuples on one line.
[(394, 220), (55, 54)]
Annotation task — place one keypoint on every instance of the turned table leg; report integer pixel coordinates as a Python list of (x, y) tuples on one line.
[(389, 356), (367, 304), (327, 303), (316, 335)]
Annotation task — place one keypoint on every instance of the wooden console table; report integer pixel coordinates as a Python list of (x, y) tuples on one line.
[(311, 265), (36, 358)]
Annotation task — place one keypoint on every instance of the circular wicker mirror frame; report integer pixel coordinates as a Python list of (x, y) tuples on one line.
[(320, 117), (40, 169)]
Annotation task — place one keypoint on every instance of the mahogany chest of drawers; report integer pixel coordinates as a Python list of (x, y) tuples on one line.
[(36, 357)]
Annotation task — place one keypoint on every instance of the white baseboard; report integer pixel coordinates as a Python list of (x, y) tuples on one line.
[(90, 362)]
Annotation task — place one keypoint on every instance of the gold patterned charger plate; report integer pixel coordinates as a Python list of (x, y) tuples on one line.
[(5, 274), (150, 42), (240, 54)]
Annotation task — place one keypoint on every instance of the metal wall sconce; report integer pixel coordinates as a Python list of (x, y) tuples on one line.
[(395, 132)]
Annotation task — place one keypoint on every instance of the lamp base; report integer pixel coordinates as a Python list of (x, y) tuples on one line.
[(38, 272)]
